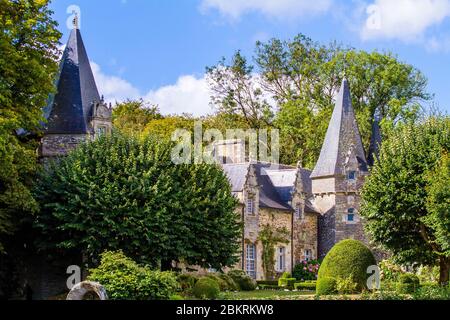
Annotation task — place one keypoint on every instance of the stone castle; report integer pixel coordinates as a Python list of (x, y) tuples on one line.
[(315, 209)]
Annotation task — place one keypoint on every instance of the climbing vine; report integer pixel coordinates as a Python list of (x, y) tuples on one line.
[(269, 239)]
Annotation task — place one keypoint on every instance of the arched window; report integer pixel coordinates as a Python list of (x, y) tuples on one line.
[(250, 261)]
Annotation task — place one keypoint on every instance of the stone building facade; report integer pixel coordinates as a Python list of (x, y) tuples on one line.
[(317, 209)]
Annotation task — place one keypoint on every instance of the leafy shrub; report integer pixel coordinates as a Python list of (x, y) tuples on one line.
[(432, 292), (408, 283), (389, 271), (231, 284), (187, 281), (243, 280), (348, 258), (226, 283), (305, 286), (326, 286), (206, 288), (346, 286), (307, 270), (124, 279)]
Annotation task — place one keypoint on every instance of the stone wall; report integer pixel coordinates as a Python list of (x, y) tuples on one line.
[(305, 236), (59, 145)]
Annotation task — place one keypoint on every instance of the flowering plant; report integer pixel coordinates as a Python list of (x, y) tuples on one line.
[(306, 270)]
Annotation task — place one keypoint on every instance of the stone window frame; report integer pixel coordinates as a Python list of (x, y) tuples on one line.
[(250, 206), (281, 259), (250, 259), (298, 211), (352, 175), (308, 254), (351, 212)]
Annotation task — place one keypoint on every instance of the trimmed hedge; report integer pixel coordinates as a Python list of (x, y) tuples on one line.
[(244, 282), (206, 288), (269, 287), (268, 282), (408, 283), (287, 282), (326, 286), (348, 259), (307, 286)]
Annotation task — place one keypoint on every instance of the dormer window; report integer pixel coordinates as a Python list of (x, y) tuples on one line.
[(351, 175)]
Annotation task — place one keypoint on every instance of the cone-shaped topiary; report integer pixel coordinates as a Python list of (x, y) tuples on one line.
[(348, 258)]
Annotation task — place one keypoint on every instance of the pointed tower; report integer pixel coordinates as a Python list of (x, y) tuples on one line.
[(76, 112), (339, 176)]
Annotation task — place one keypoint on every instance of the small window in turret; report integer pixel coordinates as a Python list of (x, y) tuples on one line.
[(298, 212), (101, 131), (351, 175)]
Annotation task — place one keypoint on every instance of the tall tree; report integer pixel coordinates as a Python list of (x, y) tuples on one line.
[(125, 193), (395, 195), (132, 116), (236, 92), (28, 63), (300, 79)]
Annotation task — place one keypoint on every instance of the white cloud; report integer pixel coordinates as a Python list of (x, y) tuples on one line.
[(271, 8), (188, 95), (112, 87), (406, 20)]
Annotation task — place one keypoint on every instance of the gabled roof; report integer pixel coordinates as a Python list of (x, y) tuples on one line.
[(342, 132), (237, 175), (70, 108)]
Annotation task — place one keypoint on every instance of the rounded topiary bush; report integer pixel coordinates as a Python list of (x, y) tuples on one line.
[(326, 286), (348, 259), (408, 283), (206, 288), (243, 281)]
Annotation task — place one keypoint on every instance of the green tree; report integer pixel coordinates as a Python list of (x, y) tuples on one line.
[(132, 116), (28, 46), (125, 193), (301, 78), (395, 195), (438, 205), (236, 92)]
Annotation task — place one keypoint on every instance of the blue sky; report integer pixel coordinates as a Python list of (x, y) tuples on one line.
[(158, 49)]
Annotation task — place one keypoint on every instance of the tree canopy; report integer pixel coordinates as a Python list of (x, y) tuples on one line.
[(124, 193), (28, 46), (405, 199), (291, 86)]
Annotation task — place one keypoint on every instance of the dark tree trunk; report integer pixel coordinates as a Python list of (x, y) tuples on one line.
[(444, 270), (166, 265)]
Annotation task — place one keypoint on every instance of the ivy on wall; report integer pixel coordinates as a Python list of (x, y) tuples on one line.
[(269, 239)]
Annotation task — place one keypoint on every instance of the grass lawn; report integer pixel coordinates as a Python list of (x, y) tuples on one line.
[(269, 295)]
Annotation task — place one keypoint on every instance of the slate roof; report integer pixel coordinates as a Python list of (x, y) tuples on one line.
[(276, 183), (342, 126), (237, 174), (70, 108)]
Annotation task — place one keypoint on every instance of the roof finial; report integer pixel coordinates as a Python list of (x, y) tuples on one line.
[(76, 21)]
